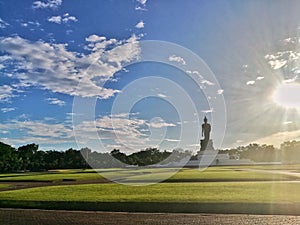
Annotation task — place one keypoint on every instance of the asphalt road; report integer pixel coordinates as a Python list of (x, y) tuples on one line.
[(58, 217)]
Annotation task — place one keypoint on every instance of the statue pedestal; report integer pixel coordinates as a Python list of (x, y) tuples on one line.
[(206, 145), (204, 159), (207, 156)]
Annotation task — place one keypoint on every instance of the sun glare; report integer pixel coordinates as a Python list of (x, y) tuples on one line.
[(287, 95)]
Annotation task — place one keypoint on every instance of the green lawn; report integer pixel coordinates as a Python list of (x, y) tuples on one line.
[(152, 174), (196, 175), (292, 167), (224, 189), (250, 192), (226, 173)]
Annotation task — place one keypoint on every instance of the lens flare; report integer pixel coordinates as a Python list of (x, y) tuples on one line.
[(287, 95)]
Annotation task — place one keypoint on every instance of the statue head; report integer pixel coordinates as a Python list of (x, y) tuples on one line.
[(205, 119)]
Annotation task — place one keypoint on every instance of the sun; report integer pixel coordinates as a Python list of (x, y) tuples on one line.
[(287, 95)]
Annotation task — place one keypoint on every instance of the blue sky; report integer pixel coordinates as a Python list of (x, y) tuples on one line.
[(57, 53)]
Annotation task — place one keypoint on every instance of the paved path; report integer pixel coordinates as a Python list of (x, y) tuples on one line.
[(58, 217)]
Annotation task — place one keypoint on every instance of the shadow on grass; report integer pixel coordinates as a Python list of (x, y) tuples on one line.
[(161, 207)]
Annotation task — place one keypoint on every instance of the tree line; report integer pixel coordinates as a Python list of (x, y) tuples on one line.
[(289, 152), (29, 157)]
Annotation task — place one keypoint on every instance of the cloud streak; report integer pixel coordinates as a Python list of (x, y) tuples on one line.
[(3, 24), (56, 101), (63, 19), (174, 58), (5, 110), (52, 4), (6, 93)]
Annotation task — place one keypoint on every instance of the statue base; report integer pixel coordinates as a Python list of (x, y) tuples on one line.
[(206, 145)]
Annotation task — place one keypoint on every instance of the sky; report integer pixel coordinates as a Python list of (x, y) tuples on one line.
[(133, 74)]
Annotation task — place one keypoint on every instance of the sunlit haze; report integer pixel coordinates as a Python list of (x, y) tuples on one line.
[(288, 95)]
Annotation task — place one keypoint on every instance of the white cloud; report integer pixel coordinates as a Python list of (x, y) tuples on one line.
[(4, 132), (52, 4), (56, 101), (260, 78), (196, 75), (52, 67), (141, 5), (207, 111), (160, 124), (162, 96), (95, 38), (195, 72), (194, 145), (140, 25), (5, 110), (250, 82), (277, 64), (282, 59), (220, 91), (171, 140), (38, 131), (143, 2), (55, 19), (34, 23), (290, 80), (62, 19), (6, 92), (3, 24), (69, 18), (31, 24), (121, 129), (174, 58), (207, 82), (139, 8)]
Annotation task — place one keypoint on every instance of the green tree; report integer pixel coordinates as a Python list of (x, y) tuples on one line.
[(9, 160), (26, 153)]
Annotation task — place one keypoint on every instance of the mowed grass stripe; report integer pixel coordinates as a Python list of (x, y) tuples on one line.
[(251, 192), (140, 175)]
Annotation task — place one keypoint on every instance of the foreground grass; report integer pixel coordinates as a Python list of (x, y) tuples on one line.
[(250, 192), (189, 190)]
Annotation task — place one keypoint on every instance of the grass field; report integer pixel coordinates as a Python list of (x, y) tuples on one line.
[(246, 189), (133, 175), (251, 192)]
